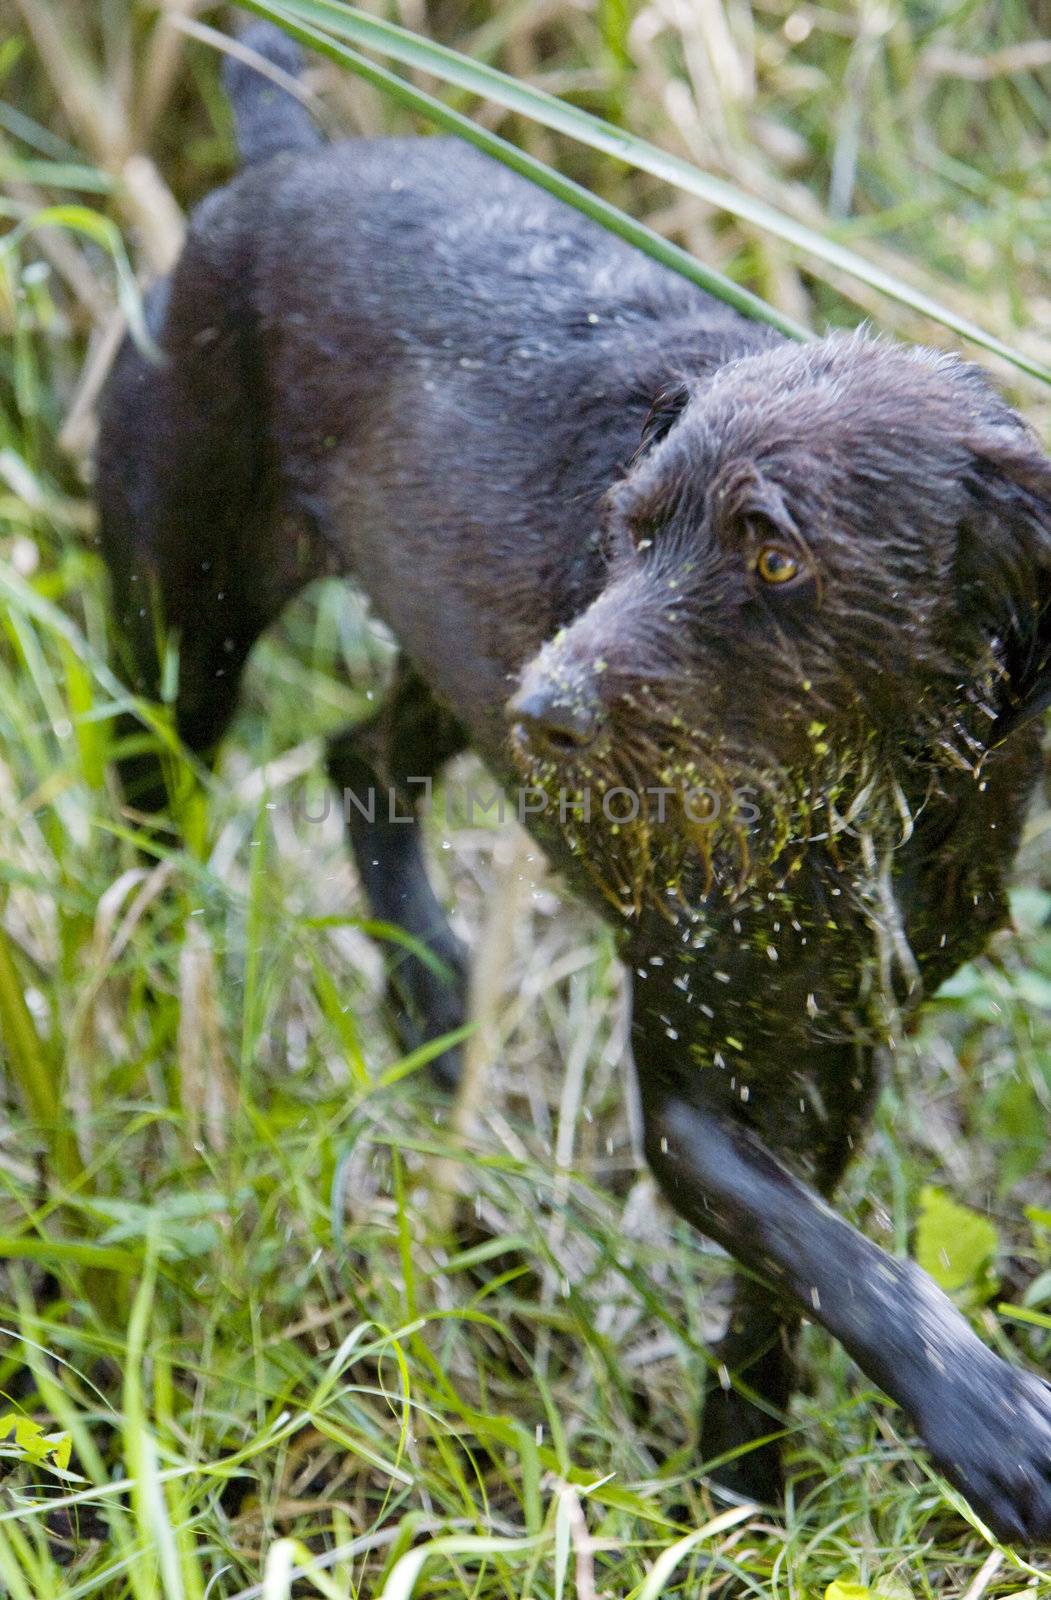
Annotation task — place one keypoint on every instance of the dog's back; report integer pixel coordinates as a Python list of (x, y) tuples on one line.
[(376, 303)]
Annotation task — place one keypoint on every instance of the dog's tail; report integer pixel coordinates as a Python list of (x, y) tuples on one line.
[(268, 116)]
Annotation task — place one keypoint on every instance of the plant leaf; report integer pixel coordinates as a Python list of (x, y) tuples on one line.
[(477, 78), (601, 211), (953, 1244), (34, 1446)]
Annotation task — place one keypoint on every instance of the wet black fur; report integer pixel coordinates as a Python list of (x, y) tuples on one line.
[(551, 465)]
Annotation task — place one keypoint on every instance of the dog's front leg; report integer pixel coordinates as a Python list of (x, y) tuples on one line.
[(987, 1425), (747, 1392), (379, 767)]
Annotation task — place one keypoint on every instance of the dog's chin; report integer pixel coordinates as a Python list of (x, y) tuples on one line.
[(676, 827), (645, 843)]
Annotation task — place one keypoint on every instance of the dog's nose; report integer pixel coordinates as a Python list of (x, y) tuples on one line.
[(552, 723)]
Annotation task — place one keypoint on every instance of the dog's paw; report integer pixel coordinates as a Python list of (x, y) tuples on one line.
[(992, 1438)]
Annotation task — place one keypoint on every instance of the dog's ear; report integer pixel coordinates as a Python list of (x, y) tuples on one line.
[(1004, 569), (664, 413)]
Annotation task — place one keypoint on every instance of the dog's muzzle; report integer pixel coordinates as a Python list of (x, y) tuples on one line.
[(554, 721)]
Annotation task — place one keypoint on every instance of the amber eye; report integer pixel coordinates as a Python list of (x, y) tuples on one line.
[(775, 565)]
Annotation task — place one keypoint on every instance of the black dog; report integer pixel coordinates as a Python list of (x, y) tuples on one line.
[(779, 616)]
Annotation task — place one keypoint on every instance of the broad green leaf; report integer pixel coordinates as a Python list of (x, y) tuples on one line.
[(954, 1244), (37, 1448)]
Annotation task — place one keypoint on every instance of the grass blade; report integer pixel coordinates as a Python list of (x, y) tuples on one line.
[(30, 1068), (668, 1560), (476, 77), (545, 177)]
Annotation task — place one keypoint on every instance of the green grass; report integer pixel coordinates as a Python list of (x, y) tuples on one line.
[(247, 1334)]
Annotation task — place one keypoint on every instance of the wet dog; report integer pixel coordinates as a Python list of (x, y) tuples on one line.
[(763, 628)]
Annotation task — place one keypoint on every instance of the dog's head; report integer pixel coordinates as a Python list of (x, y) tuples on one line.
[(825, 563)]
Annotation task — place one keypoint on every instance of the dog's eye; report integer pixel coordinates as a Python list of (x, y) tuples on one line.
[(776, 565)]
